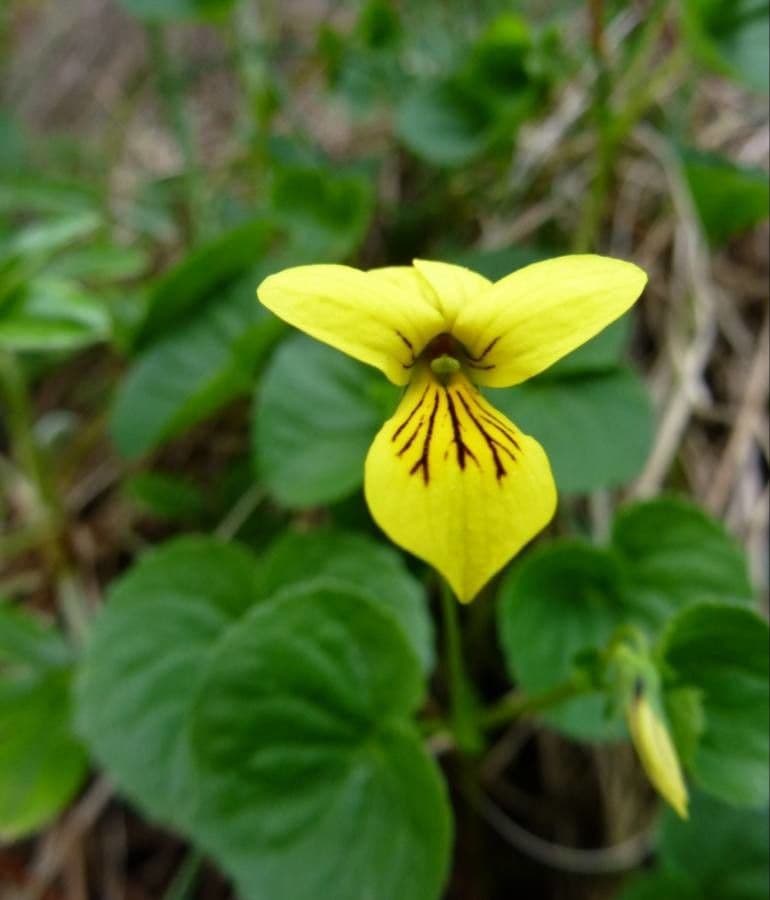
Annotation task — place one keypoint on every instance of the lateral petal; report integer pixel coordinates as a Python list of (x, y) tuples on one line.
[(368, 316), (453, 481), (528, 320)]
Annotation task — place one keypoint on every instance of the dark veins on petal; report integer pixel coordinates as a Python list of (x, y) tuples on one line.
[(410, 347), (495, 432)]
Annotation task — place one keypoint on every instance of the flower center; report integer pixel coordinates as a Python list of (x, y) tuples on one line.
[(444, 354)]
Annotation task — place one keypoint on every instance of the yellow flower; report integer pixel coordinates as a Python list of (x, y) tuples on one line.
[(448, 477), (656, 752)]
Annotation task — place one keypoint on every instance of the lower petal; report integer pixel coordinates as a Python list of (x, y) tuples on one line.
[(453, 481)]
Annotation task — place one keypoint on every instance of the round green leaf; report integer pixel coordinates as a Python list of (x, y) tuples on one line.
[(316, 782), (722, 651), (442, 124), (596, 429), (567, 599), (560, 602), (41, 763), (192, 371), (317, 412), (675, 555), (146, 654), (729, 198), (322, 207), (359, 561), (722, 850), (731, 38)]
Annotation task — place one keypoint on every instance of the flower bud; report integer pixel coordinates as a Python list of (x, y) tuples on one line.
[(656, 751)]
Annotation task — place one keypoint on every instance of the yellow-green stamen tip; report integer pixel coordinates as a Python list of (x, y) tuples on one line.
[(445, 365)]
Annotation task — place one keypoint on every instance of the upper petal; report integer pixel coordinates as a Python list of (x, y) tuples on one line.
[(526, 321), (454, 286), (365, 314), (453, 481)]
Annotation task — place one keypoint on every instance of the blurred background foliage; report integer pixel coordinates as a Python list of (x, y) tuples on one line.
[(158, 158)]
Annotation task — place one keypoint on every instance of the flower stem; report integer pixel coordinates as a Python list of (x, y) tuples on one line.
[(515, 705), (464, 718)]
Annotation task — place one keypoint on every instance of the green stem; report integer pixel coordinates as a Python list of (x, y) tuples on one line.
[(47, 515), (516, 705), (173, 98), (463, 704), (638, 92), (252, 27), (640, 100), (511, 707), (587, 233), (184, 880), (637, 67), (20, 424)]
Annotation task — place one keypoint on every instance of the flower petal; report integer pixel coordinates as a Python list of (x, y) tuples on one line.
[(453, 481), (364, 314), (454, 286), (529, 319)]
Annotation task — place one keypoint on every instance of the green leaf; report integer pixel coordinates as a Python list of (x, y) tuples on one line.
[(166, 496), (731, 38), (316, 413), (146, 653), (375, 569), (201, 278), (596, 429), (498, 60), (26, 643), (22, 332), (149, 646), (444, 125), (722, 652), (602, 355), (662, 886), (560, 602), (33, 194), (41, 763), (169, 10), (53, 314), (676, 555), (379, 25), (684, 710), (316, 781), (566, 600), (101, 263), (12, 144), (194, 370), (46, 238), (722, 850), (326, 211), (717, 854), (729, 198)]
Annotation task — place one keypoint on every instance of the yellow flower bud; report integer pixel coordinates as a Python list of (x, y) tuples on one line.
[(657, 753)]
